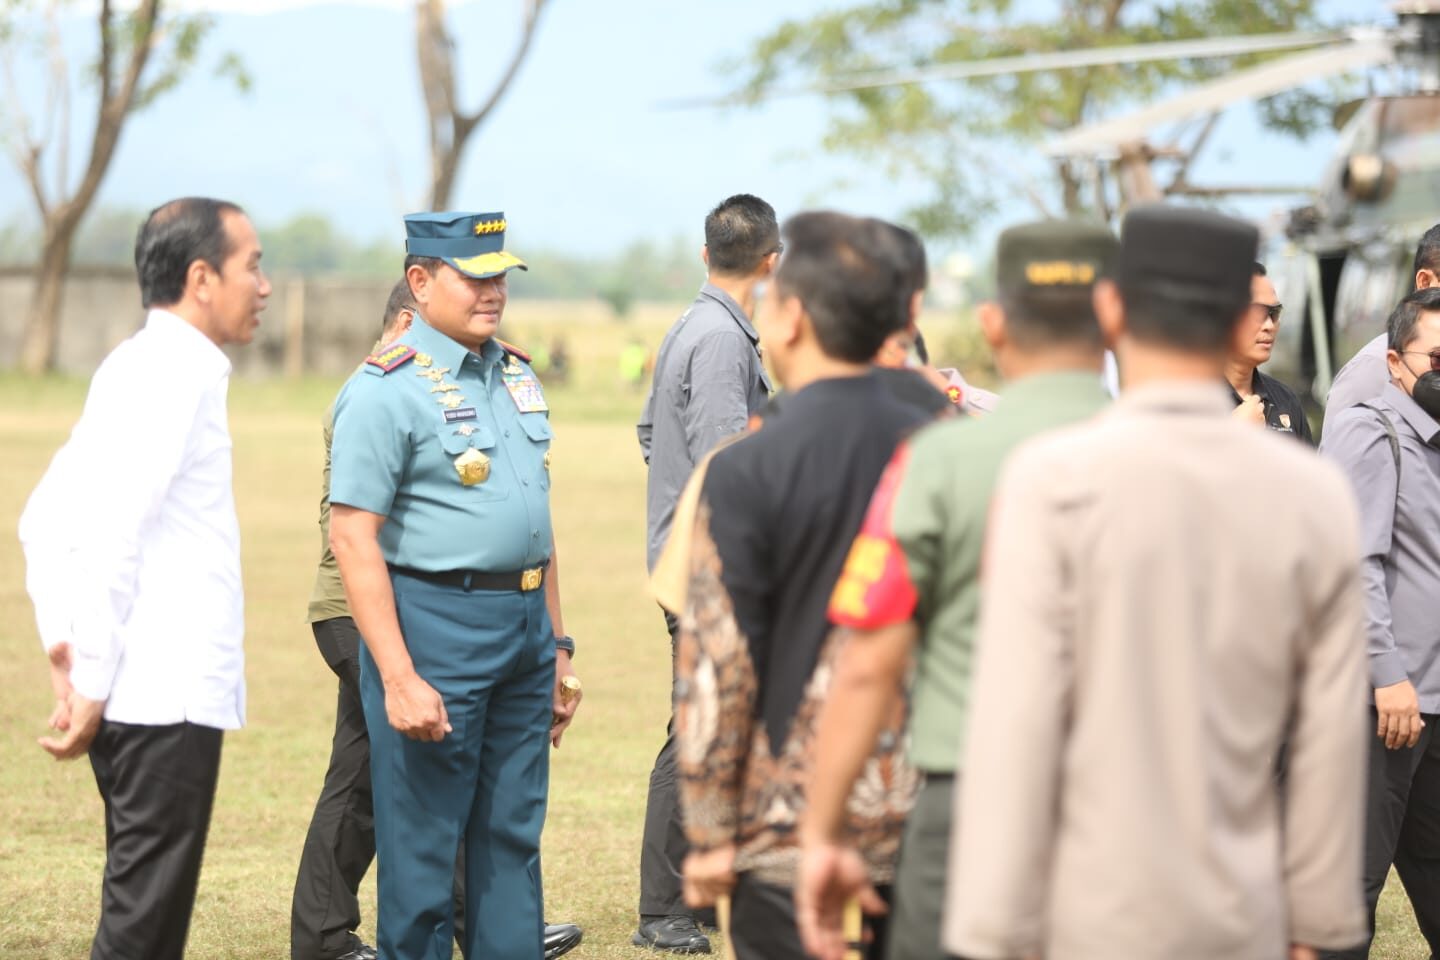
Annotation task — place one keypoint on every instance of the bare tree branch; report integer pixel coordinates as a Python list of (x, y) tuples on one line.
[(451, 127), (60, 87), (1182, 172), (27, 148), (533, 9), (110, 119)]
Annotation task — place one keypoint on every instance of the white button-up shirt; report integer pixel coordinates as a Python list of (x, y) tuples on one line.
[(132, 546)]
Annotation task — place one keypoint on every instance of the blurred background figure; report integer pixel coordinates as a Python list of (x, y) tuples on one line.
[(1259, 397)]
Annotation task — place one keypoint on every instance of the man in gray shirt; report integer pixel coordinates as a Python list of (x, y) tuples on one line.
[(1365, 375), (1390, 449), (709, 380)]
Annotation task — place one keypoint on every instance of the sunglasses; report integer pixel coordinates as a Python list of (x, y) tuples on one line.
[(1434, 356), (1272, 310)]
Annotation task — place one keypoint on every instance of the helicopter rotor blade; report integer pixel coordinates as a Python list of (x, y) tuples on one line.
[(1036, 62), (1104, 138)]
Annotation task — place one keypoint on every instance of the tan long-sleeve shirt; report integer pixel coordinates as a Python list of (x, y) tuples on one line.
[(1168, 597)]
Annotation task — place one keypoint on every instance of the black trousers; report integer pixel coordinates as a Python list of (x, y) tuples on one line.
[(158, 784), (1402, 826), (340, 844), (663, 847), (762, 923)]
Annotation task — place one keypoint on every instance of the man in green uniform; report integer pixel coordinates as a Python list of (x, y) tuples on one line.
[(440, 524), (911, 581)]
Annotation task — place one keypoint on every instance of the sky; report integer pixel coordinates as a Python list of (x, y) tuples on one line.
[(579, 155)]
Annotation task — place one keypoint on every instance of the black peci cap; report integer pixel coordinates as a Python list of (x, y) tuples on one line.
[(1184, 254)]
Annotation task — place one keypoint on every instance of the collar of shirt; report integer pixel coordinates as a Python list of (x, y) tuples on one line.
[(1054, 387), (1257, 387), (445, 351), (728, 302), (1184, 397), (1421, 422), (192, 346)]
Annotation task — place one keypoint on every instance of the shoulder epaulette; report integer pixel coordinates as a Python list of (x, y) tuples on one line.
[(510, 348), (391, 357)]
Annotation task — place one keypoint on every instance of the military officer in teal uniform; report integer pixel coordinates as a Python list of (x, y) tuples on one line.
[(440, 485)]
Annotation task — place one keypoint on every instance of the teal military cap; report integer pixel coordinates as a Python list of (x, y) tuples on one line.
[(472, 243)]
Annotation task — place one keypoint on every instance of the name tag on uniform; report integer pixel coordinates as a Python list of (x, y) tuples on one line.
[(525, 391), (464, 413)]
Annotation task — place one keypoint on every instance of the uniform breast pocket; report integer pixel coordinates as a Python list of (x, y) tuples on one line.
[(469, 452), (537, 428)]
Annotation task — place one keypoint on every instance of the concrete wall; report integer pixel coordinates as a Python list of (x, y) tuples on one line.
[(310, 326)]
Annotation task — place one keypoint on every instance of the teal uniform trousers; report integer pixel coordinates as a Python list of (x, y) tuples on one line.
[(491, 656)]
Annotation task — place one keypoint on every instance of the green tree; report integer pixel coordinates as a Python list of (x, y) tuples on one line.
[(142, 55), (944, 136)]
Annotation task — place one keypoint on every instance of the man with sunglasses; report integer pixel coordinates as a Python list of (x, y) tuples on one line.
[(1390, 449), (1259, 397)]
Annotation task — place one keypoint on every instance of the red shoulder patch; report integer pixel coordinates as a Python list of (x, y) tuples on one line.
[(512, 349), (391, 358), (874, 589)]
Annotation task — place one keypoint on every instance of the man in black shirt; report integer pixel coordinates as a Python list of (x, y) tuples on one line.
[(778, 512), (1260, 398)]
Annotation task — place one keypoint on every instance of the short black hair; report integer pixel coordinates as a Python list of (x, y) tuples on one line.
[(431, 266), (400, 299), (175, 235), (1260, 269), (917, 274), (739, 233), (1200, 326), (850, 275), (1427, 253), (1067, 318), (1400, 328)]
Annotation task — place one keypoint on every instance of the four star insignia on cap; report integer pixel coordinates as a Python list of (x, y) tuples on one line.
[(489, 226)]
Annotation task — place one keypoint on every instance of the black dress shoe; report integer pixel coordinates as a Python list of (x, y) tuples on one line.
[(678, 934), (362, 951), (561, 938)]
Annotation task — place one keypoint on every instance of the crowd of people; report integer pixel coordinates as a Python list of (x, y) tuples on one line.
[(1054, 673)]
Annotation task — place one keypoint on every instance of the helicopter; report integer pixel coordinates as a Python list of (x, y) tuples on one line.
[(1346, 254)]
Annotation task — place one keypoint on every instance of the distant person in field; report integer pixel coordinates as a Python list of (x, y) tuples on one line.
[(1149, 635), (1259, 397), (708, 382), (132, 549), (1366, 374), (1389, 447)]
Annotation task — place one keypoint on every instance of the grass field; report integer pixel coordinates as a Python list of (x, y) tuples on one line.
[(52, 840)]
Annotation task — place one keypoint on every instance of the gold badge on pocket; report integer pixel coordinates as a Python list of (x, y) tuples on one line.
[(473, 467)]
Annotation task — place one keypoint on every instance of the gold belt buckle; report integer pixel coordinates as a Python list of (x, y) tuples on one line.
[(530, 579)]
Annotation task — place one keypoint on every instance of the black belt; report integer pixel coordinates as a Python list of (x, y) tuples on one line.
[(522, 580)]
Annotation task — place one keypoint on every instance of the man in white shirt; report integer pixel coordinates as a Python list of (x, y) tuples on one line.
[(132, 552)]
